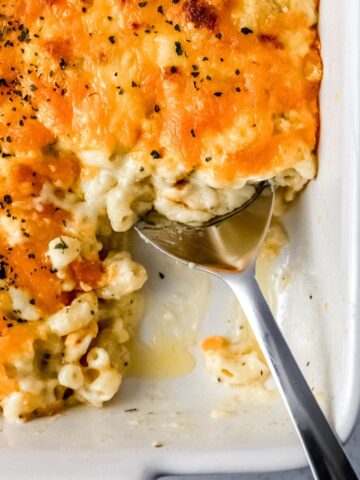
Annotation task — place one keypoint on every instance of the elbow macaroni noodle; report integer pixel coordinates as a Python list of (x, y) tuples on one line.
[(70, 335)]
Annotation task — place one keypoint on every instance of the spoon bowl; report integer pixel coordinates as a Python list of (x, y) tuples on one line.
[(229, 244)]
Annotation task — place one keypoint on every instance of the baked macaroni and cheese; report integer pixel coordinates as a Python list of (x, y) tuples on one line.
[(109, 108)]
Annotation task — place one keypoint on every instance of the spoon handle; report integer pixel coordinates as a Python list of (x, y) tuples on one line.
[(325, 454)]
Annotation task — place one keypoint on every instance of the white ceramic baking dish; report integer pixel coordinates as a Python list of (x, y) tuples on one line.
[(318, 312)]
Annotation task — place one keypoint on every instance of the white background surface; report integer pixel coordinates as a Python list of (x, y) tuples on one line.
[(352, 448)]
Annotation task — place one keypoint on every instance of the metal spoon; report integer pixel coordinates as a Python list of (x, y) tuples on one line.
[(228, 249)]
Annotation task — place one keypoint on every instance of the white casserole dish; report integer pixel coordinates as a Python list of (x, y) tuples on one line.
[(323, 260)]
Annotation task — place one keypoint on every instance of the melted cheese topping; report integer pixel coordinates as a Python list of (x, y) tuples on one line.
[(110, 107), (225, 89)]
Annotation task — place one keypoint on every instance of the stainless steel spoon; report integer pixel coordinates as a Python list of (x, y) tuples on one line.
[(228, 249)]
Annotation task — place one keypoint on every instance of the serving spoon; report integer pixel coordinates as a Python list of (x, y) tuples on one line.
[(227, 247)]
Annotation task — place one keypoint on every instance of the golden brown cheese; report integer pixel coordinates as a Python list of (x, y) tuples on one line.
[(168, 83), (159, 76)]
